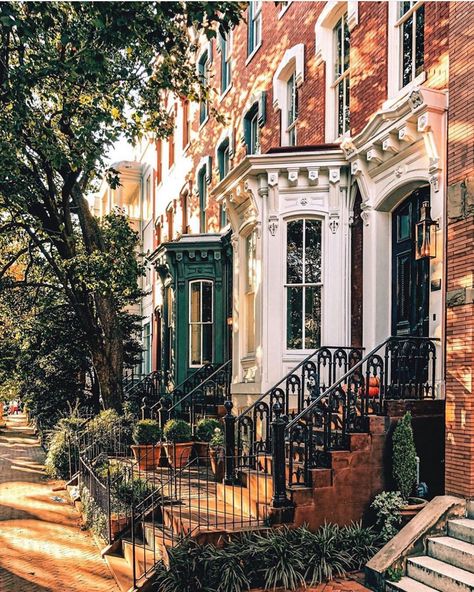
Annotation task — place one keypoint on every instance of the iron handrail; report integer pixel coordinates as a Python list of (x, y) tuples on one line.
[(351, 371), (289, 373), (200, 385)]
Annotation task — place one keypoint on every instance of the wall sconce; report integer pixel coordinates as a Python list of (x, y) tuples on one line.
[(426, 234)]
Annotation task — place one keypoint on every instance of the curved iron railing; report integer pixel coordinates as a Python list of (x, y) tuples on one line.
[(204, 398), (398, 368), (294, 392), (148, 388)]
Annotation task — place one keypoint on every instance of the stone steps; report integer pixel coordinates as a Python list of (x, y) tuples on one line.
[(448, 565)]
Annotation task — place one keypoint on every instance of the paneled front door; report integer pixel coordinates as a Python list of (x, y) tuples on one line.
[(410, 278)]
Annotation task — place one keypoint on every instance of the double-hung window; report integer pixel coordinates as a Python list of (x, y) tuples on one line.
[(202, 190), (254, 31), (223, 159), (203, 67), (226, 69), (146, 366), (200, 322), (251, 130), (341, 82), (411, 26), (292, 109), (303, 284)]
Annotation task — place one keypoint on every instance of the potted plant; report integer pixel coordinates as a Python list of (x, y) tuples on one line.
[(147, 450), (179, 444), (217, 453), (405, 467), (205, 429), (124, 495)]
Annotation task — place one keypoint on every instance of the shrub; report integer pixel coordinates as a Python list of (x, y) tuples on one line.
[(94, 517), (360, 543), (177, 430), (404, 457), (63, 447), (387, 508), (217, 440), (205, 428), (146, 431), (110, 429), (324, 556)]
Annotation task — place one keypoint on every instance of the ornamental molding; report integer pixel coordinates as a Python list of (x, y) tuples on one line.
[(273, 224), (293, 61)]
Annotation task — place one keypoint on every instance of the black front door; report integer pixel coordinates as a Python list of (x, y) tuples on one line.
[(410, 278)]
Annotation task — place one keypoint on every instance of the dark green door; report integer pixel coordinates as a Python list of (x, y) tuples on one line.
[(410, 278)]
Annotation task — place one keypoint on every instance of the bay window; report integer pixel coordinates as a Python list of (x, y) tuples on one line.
[(201, 321), (303, 284)]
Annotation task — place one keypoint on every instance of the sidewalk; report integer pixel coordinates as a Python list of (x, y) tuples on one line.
[(42, 548)]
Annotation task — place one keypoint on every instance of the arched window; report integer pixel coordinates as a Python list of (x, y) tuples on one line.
[(201, 322), (304, 283)]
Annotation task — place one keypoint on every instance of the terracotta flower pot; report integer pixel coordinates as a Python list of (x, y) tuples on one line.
[(415, 505), (217, 463), (148, 456), (179, 453), (202, 452)]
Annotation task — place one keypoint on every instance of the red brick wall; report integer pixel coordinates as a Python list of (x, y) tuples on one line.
[(460, 254)]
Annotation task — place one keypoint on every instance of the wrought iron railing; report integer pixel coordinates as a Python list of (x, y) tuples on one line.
[(179, 391), (399, 368), (204, 398), (146, 392), (294, 392), (194, 502)]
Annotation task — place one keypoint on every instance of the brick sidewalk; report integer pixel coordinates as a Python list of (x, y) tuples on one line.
[(42, 548)]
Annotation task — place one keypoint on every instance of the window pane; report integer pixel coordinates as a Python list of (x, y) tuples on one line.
[(338, 60), (312, 321), (196, 344), (404, 8), (347, 43), (340, 108), (407, 50), (206, 344), (420, 40), (347, 110), (294, 318), (313, 252), (195, 302), (206, 302), (294, 268)]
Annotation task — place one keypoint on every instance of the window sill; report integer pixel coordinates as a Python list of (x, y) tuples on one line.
[(251, 56), (225, 93), (402, 92)]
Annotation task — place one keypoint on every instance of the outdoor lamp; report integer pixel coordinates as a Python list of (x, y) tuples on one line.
[(426, 234)]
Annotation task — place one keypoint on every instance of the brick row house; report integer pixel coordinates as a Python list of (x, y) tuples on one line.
[(331, 210)]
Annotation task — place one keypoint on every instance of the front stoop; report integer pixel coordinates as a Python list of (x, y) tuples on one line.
[(447, 566)]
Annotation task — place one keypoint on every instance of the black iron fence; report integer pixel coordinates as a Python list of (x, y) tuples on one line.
[(399, 368)]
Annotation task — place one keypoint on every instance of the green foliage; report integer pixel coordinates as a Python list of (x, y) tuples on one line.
[(146, 431), (388, 519), (125, 493), (205, 429), (62, 447), (404, 456), (217, 441), (109, 428), (269, 559), (177, 430), (394, 574), (94, 517)]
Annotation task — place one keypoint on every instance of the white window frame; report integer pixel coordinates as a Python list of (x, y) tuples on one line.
[(395, 60), (324, 49), (226, 43), (190, 323), (147, 352), (292, 64), (341, 78), (255, 25), (205, 65), (304, 285)]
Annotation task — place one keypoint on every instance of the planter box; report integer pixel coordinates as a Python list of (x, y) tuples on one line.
[(148, 457)]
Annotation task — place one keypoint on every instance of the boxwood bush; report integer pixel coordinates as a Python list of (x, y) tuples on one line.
[(177, 431), (146, 431), (206, 427)]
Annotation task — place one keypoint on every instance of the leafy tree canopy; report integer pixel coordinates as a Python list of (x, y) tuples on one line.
[(74, 78)]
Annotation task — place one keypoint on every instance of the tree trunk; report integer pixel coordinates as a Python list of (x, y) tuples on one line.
[(108, 364)]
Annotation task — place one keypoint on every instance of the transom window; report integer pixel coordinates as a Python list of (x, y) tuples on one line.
[(292, 114), (203, 67), (303, 284), (200, 322), (411, 25), (226, 70), (254, 33), (342, 74)]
